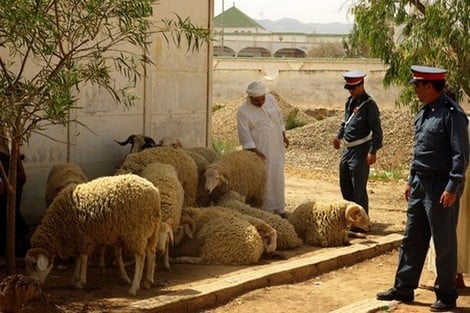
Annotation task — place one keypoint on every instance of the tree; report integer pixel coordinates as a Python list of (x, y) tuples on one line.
[(407, 32), (66, 44)]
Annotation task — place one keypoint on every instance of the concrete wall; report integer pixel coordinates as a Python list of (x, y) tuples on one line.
[(174, 100), (304, 82)]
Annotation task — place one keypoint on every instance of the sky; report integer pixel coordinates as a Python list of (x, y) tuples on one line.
[(307, 11)]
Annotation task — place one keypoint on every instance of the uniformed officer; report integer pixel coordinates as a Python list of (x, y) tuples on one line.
[(437, 172), (361, 133)]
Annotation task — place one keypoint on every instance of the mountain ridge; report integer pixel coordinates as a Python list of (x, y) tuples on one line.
[(292, 25)]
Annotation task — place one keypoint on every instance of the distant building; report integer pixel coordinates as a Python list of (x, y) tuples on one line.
[(238, 35)]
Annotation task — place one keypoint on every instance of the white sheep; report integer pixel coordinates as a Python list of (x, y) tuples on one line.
[(164, 177), (138, 142), (185, 167), (326, 224), (120, 211), (286, 235), (215, 237), (170, 142), (61, 176), (208, 153), (242, 171)]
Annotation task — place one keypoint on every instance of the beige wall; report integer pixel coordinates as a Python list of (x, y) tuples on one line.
[(303, 82), (173, 101)]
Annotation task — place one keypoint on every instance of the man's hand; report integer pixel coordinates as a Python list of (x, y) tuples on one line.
[(259, 153), (447, 199), (336, 143), (371, 158), (406, 194)]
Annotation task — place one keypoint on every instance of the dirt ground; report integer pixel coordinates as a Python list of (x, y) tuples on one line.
[(311, 173)]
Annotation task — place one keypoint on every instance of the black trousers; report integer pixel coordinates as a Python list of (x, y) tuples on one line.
[(425, 218), (354, 173)]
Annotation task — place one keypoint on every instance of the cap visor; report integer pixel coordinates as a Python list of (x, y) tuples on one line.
[(349, 87), (414, 81)]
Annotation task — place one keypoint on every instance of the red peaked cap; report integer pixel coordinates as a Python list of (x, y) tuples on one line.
[(353, 78), (427, 73)]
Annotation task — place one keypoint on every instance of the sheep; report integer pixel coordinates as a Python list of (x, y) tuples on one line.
[(17, 290), (286, 236), (326, 224), (170, 142), (216, 237), (138, 143), (120, 211), (209, 154), (202, 196), (185, 167), (242, 171), (164, 177), (61, 176), (267, 233)]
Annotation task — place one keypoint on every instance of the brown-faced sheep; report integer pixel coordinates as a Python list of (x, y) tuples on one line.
[(326, 224), (242, 171), (120, 211), (286, 236)]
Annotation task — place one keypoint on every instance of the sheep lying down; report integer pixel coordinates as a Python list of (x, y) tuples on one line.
[(213, 236), (326, 224)]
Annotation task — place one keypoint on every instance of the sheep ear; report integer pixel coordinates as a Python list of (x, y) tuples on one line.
[(43, 262), (188, 231), (224, 179), (353, 212)]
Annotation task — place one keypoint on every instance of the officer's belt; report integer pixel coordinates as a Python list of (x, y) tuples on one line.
[(429, 173), (349, 144)]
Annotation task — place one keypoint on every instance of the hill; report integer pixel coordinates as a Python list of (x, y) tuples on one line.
[(291, 25)]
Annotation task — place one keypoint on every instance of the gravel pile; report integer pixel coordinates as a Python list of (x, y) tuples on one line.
[(311, 145)]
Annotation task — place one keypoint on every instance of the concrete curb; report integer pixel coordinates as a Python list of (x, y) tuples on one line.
[(209, 294)]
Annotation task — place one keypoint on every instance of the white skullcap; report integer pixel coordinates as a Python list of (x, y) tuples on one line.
[(256, 89)]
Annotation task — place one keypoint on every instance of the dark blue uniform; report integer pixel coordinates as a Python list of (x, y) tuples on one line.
[(361, 118), (440, 157)]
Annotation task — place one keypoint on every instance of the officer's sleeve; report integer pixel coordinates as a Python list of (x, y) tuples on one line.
[(375, 127), (459, 146)]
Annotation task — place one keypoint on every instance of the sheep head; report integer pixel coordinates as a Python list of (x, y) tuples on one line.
[(138, 142), (170, 142), (357, 216), (187, 227), (215, 176), (269, 237), (38, 264)]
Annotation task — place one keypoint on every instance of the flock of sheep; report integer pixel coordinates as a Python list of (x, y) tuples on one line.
[(187, 205)]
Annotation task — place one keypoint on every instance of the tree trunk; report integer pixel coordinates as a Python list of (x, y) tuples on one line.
[(11, 210)]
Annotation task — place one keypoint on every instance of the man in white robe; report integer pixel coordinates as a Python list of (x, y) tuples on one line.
[(261, 129)]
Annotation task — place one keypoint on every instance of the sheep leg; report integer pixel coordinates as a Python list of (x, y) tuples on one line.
[(80, 271), (120, 265), (166, 260), (139, 268), (149, 267), (76, 272)]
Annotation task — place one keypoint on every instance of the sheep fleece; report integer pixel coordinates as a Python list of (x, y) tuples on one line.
[(321, 224), (286, 235), (221, 238), (246, 175), (122, 209), (185, 167)]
